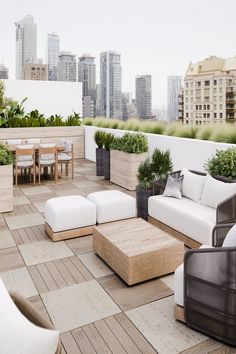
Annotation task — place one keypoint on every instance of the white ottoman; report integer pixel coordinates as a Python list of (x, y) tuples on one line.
[(113, 205), (68, 217)]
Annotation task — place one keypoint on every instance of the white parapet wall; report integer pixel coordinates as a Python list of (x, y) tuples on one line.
[(192, 153), (48, 97)]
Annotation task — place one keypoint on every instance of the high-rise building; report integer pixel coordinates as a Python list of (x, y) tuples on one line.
[(87, 75), (53, 49), (209, 94), (126, 105), (35, 71), (3, 72), (26, 43), (173, 91), (98, 100), (66, 66), (143, 96), (110, 81)]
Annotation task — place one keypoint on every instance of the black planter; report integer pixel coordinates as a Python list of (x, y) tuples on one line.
[(142, 202), (106, 161), (99, 162)]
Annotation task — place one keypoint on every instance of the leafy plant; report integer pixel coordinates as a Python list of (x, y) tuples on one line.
[(131, 143), (223, 163), (108, 139), (161, 163), (5, 155), (99, 138), (145, 175), (73, 119)]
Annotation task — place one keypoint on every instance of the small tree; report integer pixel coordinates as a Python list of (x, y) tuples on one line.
[(161, 164), (99, 138), (145, 175)]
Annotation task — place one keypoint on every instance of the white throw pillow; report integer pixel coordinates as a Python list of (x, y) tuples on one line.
[(18, 334), (215, 192), (230, 238), (192, 185)]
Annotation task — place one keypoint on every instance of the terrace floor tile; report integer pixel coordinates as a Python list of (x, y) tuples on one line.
[(28, 191), (78, 305), (6, 239), (20, 200), (44, 251), (24, 220), (19, 280), (81, 245), (95, 265), (156, 322), (10, 258)]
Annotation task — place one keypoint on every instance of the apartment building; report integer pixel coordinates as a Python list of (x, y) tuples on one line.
[(32, 71), (66, 69), (143, 96), (209, 94)]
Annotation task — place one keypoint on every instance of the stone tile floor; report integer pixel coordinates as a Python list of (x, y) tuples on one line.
[(95, 311)]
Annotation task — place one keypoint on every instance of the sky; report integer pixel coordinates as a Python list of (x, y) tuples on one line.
[(154, 37)]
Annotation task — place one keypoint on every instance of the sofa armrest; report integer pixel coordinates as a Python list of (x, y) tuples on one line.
[(210, 291), (226, 211), (219, 233)]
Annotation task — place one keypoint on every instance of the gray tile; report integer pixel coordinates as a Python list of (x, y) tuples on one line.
[(6, 239), (24, 220), (78, 305), (169, 280), (20, 200), (44, 251), (95, 265), (156, 322), (35, 190), (19, 280)]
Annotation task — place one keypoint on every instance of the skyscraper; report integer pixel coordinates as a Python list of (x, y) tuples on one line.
[(26, 43), (53, 49), (36, 71), (66, 66), (87, 75), (173, 91), (110, 81), (143, 96), (3, 72)]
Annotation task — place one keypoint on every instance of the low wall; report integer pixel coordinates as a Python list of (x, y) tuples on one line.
[(48, 134), (191, 153)]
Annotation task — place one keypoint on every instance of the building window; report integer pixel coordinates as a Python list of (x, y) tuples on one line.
[(207, 83), (208, 115), (215, 115), (220, 106), (204, 115), (200, 107), (186, 115), (215, 82), (221, 115), (196, 107), (186, 85), (215, 107), (204, 107), (191, 84), (208, 106), (220, 82)]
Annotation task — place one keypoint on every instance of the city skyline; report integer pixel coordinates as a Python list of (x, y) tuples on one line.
[(154, 38)]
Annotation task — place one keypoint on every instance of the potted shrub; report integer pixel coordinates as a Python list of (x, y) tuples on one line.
[(6, 180), (108, 139), (99, 140), (223, 164), (144, 189), (162, 166), (127, 152)]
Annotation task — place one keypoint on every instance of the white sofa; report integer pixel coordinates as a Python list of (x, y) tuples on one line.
[(205, 202)]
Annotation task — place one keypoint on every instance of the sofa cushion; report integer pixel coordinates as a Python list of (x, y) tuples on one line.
[(230, 239), (215, 192), (18, 334), (173, 187), (184, 215), (192, 187)]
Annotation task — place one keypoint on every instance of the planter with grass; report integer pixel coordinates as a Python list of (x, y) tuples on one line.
[(99, 140), (127, 152), (6, 180), (108, 139), (144, 188), (223, 165)]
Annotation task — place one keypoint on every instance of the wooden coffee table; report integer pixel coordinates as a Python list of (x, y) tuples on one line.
[(137, 250)]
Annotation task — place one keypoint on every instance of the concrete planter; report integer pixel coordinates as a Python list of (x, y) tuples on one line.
[(6, 188), (124, 168), (106, 161), (99, 162), (142, 202)]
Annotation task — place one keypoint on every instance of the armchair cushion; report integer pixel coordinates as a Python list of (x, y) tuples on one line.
[(192, 185), (214, 191), (173, 187), (230, 239)]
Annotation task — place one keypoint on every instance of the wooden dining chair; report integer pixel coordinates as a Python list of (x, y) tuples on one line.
[(14, 141), (47, 157), (66, 157), (25, 160)]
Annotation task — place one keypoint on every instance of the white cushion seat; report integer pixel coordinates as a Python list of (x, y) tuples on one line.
[(184, 215), (18, 334), (25, 164), (62, 156), (70, 212), (47, 161), (113, 205)]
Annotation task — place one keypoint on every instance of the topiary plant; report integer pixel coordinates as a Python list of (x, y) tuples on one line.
[(223, 163), (99, 138), (108, 139), (131, 143), (161, 163), (5, 155), (145, 175)]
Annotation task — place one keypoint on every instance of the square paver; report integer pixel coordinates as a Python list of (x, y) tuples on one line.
[(36, 190), (81, 245), (10, 258), (19, 280), (24, 220), (169, 280), (78, 305), (44, 251), (95, 265), (20, 200), (156, 322), (6, 239)]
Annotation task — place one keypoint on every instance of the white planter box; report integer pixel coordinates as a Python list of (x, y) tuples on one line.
[(124, 168), (6, 188)]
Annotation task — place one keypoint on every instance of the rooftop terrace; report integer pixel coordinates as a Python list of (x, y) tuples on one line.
[(95, 311)]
